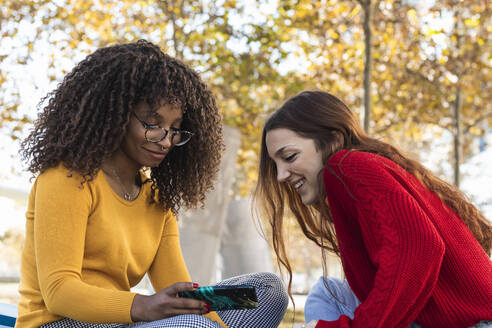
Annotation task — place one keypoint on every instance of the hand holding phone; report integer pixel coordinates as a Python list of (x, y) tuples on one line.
[(220, 298), (166, 304)]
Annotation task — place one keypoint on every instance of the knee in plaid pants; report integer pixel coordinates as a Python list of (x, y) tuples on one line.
[(272, 300)]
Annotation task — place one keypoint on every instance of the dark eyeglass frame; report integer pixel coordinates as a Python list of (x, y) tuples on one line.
[(174, 133)]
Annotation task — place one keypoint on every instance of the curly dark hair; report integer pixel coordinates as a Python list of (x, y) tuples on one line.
[(86, 117)]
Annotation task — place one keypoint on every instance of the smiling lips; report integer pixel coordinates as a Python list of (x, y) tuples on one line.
[(157, 155), (299, 183)]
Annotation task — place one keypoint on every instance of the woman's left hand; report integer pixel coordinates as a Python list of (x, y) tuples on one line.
[(166, 303), (311, 324)]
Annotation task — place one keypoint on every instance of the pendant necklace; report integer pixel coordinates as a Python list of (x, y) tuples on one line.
[(126, 195)]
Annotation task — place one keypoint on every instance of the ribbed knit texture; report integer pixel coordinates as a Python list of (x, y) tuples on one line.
[(86, 247), (406, 255)]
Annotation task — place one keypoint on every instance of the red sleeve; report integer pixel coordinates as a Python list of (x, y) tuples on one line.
[(403, 244)]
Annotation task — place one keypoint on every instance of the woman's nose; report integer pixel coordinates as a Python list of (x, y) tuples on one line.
[(166, 142), (282, 174)]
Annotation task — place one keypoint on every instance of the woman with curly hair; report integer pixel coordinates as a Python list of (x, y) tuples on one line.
[(414, 251), (129, 137)]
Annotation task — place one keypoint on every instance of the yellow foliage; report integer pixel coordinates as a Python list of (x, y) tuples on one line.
[(342, 7), (430, 32), (333, 34), (354, 12), (377, 109), (252, 175), (413, 132), (475, 130), (472, 22), (249, 86), (412, 15), (230, 4)]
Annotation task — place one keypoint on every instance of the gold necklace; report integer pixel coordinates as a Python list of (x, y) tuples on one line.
[(126, 195)]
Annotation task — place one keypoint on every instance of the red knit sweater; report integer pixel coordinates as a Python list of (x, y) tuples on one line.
[(406, 255)]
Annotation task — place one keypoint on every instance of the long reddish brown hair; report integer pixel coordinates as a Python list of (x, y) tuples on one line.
[(333, 126)]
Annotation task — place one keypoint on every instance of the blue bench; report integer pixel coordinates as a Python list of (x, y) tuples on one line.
[(8, 315)]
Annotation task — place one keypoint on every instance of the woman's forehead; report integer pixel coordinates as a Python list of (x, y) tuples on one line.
[(282, 135), (159, 109), (280, 139)]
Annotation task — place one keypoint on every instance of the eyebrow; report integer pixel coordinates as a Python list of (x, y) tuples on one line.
[(148, 114), (282, 149), (154, 115)]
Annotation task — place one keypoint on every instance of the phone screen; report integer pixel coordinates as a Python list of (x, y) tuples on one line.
[(220, 298)]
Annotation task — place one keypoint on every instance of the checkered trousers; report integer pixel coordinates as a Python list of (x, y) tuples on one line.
[(272, 300)]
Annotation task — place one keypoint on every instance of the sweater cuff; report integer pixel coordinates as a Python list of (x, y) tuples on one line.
[(215, 317), (129, 301)]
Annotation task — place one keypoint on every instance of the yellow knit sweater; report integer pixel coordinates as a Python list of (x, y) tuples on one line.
[(86, 247)]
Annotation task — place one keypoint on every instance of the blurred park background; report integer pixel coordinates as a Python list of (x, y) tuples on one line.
[(418, 73)]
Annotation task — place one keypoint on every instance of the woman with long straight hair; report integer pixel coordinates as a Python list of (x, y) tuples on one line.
[(414, 250)]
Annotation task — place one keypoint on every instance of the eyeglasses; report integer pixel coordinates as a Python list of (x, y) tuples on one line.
[(154, 133)]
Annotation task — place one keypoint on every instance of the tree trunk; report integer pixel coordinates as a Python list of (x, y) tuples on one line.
[(169, 10), (201, 229), (366, 6), (457, 136), (457, 108), (242, 247)]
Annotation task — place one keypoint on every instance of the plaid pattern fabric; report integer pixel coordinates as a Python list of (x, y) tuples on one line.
[(272, 298), (182, 321), (273, 301)]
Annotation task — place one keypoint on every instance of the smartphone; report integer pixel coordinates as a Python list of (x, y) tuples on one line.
[(220, 298)]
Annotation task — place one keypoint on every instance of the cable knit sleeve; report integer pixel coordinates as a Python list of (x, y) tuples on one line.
[(404, 248)]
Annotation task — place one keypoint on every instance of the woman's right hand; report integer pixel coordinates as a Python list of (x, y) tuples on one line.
[(166, 303)]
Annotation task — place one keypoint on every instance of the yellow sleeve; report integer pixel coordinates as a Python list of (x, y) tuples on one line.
[(61, 212), (169, 266)]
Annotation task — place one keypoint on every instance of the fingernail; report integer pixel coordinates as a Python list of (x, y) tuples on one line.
[(195, 285), (207, 306)]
